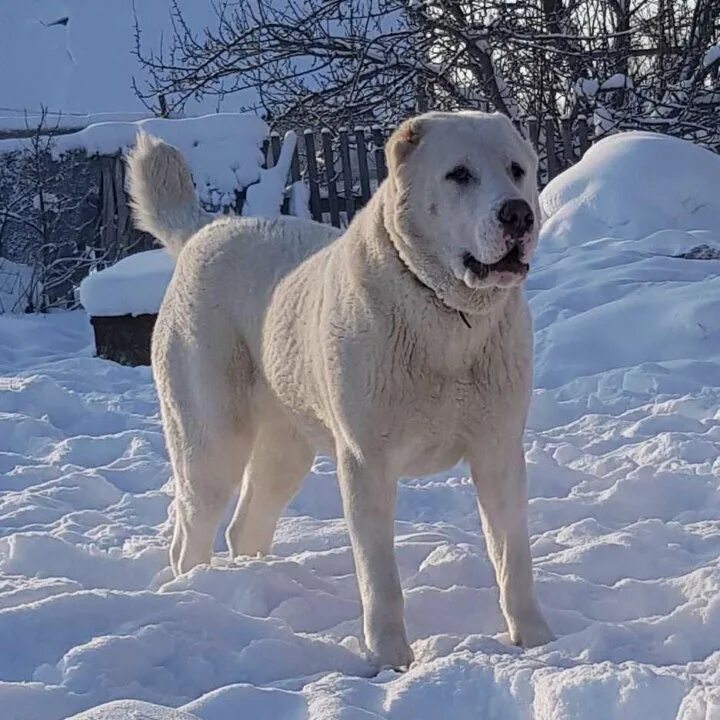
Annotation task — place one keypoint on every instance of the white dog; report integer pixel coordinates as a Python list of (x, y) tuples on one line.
[(400, 347)]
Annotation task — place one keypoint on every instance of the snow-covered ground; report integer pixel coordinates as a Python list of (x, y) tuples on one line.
[(622, 446)]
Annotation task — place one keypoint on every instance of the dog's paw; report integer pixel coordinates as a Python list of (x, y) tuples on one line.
[(391, 653), (530, 634)]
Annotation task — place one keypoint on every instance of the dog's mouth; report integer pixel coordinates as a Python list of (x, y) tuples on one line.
[(509, 263)]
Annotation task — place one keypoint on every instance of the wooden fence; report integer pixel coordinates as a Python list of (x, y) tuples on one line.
[(342, 169)]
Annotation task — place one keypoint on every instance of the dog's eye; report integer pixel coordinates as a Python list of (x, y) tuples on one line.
[(460, 175), (517, 171)]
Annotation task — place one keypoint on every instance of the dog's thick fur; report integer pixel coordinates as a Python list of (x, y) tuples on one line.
[(279, 338)]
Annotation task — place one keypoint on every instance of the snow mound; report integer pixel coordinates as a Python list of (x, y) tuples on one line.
[(132, 710), (631, 185), (133, 286)]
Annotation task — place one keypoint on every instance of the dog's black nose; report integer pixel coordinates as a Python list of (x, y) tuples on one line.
[(516, 217)]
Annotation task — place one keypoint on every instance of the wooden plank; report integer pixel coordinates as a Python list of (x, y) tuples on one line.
[(568, 149), (363, 170), (347, 174), (295, 165), (312, 175), (108, 229), (552, 164), (275, 147), (330, 176), (379, 142), (582, 133), (121, 201)]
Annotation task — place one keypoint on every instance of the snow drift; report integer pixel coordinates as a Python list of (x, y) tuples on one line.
[(631, 185)]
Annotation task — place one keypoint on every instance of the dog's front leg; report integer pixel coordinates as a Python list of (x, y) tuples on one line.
[(369, 504), (501, 484)]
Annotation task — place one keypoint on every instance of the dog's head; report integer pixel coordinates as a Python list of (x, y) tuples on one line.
[(464, 200)]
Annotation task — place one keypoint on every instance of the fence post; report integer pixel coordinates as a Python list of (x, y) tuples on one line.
[(275, 147), (330, 176), (379, 140), (550, 149), (347, 174), (568, 149), (582, 131), (108, 219), (315, 209), (362, 164), (123, 211)]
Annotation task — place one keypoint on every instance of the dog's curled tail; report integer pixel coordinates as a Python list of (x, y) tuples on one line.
[(162, 196)]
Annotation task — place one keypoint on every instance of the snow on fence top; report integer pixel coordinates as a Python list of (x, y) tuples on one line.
[(224, 150)]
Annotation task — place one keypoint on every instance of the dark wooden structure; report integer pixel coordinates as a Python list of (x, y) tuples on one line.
[(124, 338)]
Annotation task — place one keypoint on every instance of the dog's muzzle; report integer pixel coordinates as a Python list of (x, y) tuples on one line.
[(509, 263)]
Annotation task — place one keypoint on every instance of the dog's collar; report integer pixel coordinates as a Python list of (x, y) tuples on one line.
[(422, 284)]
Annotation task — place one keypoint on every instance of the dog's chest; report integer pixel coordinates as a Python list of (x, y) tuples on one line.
[(434, 411), (428, 424)]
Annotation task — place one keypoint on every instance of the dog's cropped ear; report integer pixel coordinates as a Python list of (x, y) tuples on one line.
[(402, 142)]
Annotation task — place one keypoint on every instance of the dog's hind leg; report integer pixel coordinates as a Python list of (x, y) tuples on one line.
[(205, 479), (279, 460), (209, 434)]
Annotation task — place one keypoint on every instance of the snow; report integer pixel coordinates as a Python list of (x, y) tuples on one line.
[(133, 286), (629, 186), (617, 82), (624, 481), (586, 87), (224, 152), (590, 87), (87, 65), (264, 198), (711, 56), (299, 201)]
